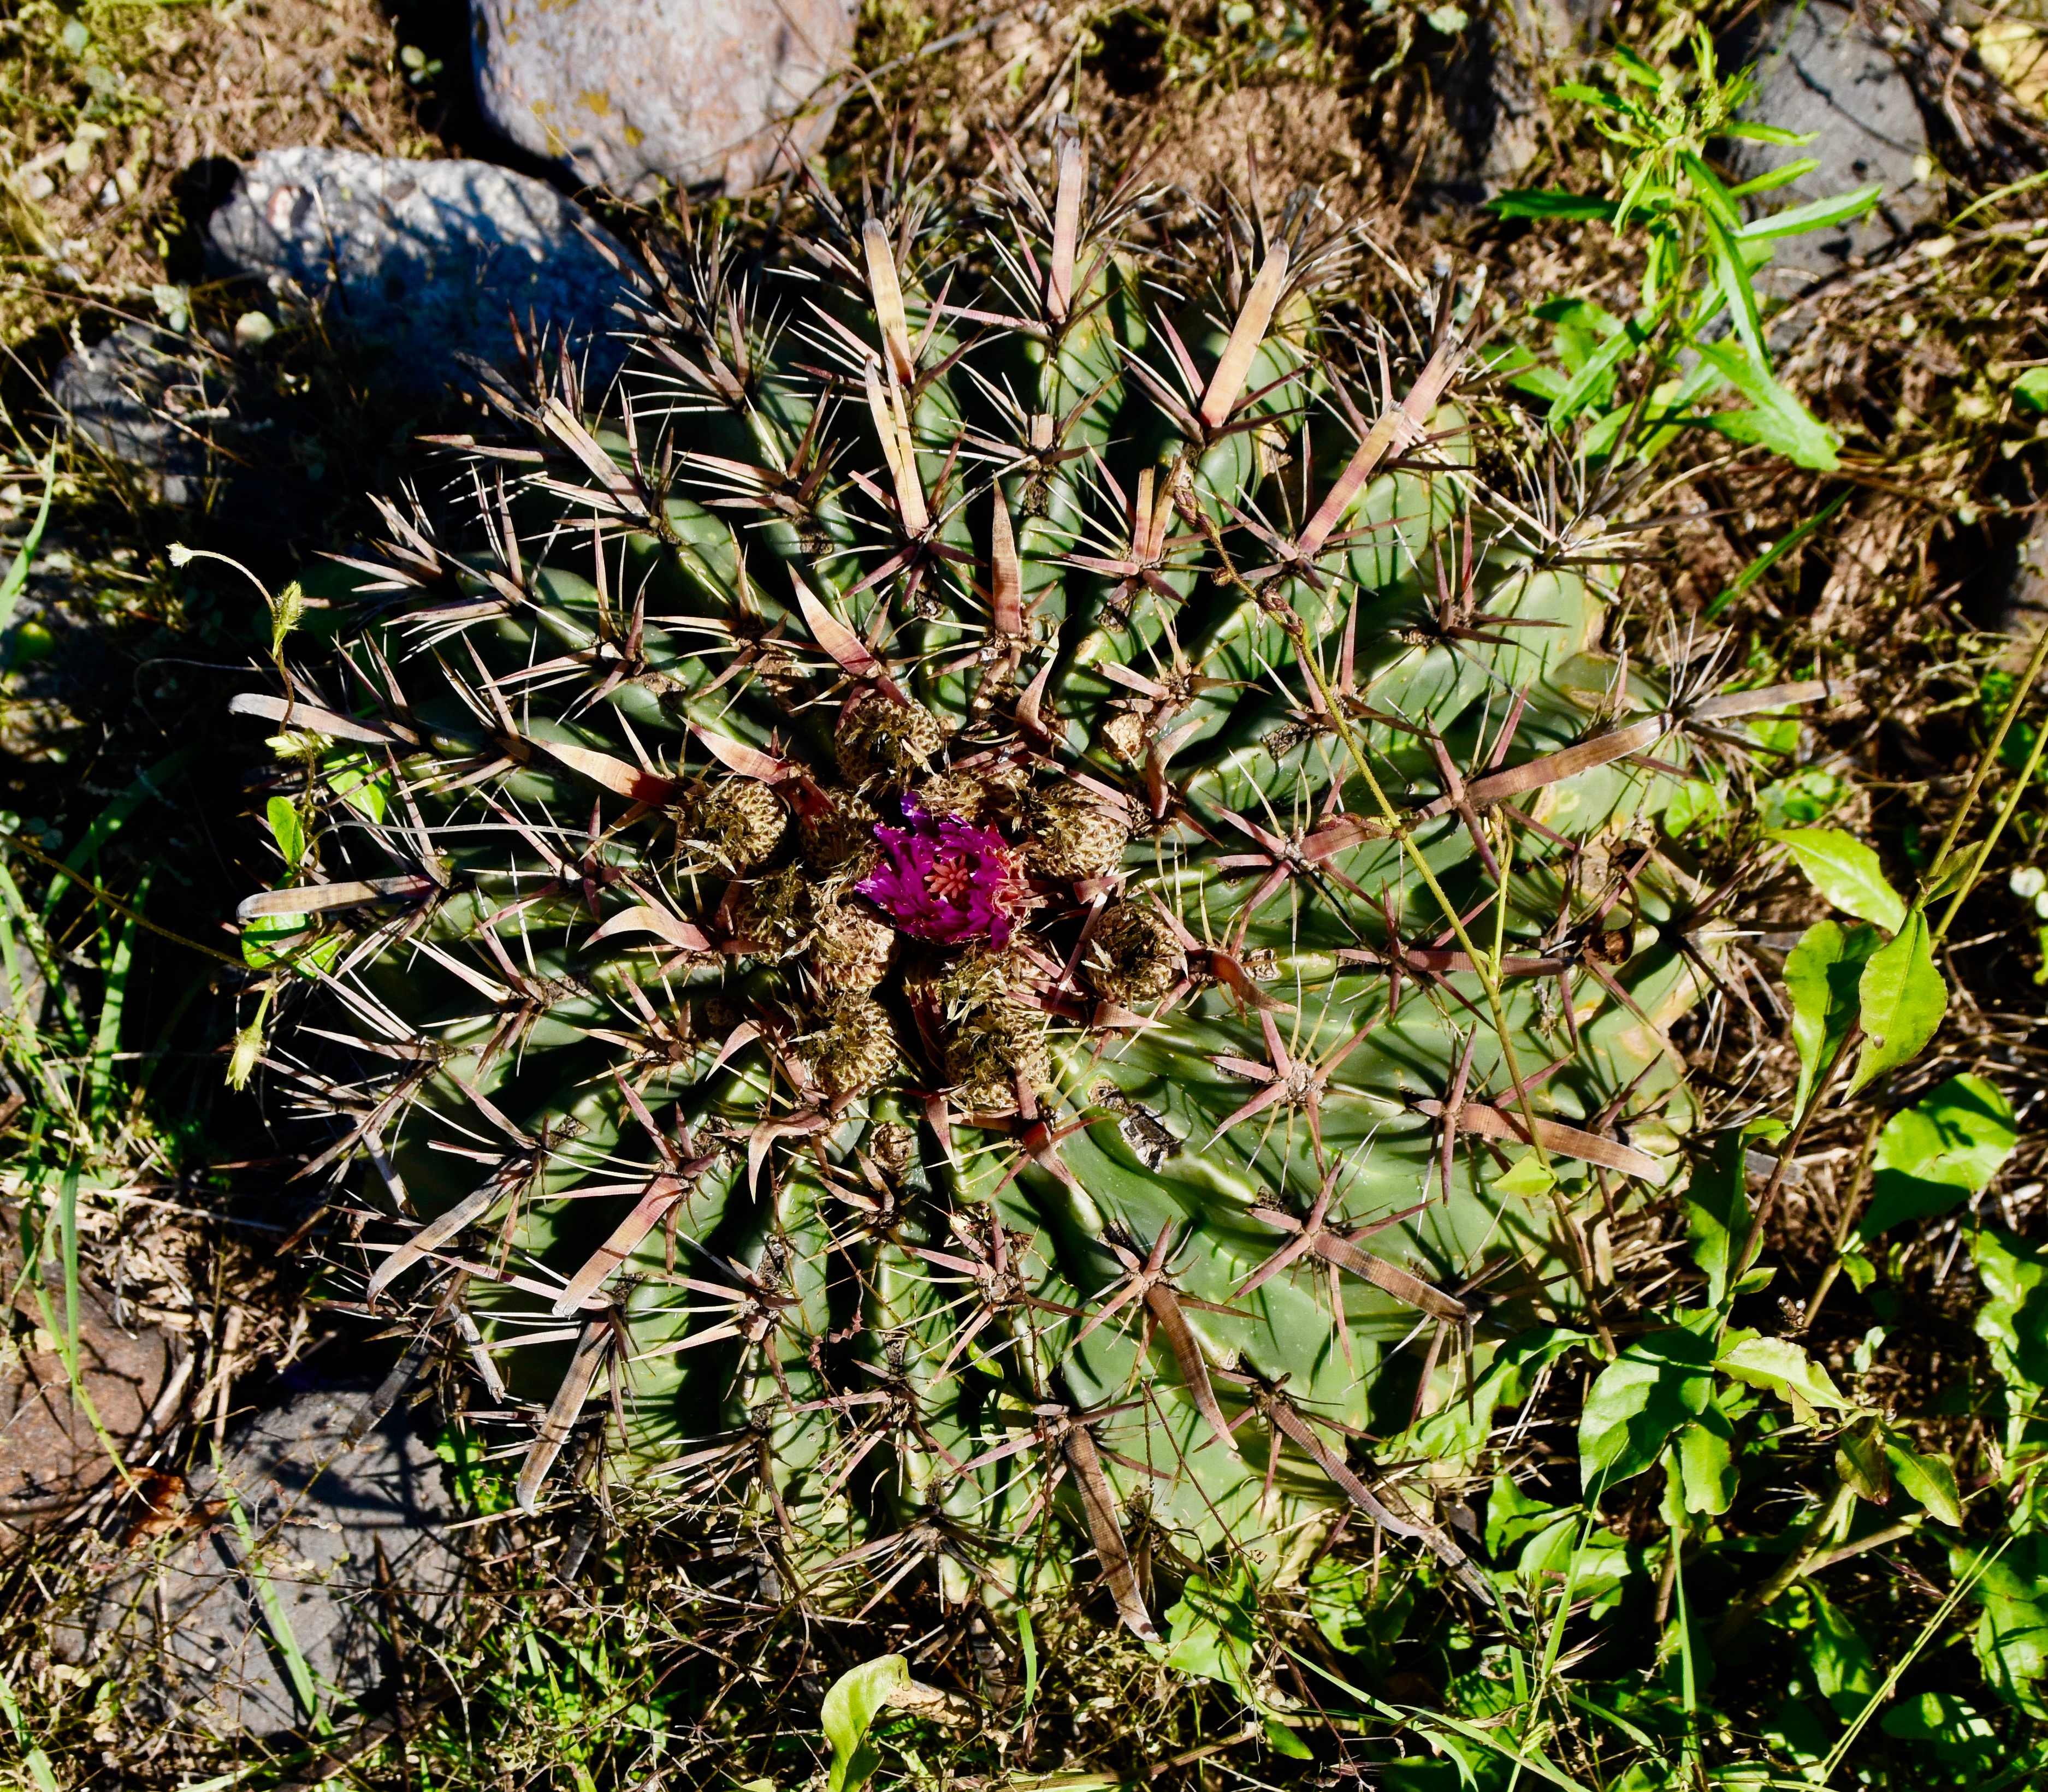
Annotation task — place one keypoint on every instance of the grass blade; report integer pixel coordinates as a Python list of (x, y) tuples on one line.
[(17, 573), (33, 1756), (274, 1619)]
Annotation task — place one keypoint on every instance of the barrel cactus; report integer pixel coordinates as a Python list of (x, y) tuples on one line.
[(952, 914)]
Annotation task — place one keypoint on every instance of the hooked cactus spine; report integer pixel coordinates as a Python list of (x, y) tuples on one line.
[(966, 898)]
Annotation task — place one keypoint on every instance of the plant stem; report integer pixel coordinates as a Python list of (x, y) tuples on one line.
[(1989, 756), (1983, 854), (114, 902), (1844, 1225), (1795, 1564), (1752, 1246)]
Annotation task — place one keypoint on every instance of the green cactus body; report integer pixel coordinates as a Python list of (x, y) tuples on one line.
[(934, 1235)]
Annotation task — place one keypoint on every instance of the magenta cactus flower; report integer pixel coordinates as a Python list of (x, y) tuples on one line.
[(944, 879)]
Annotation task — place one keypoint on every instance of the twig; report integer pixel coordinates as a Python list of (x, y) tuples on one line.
[(1850, 1205), (1795, 1564), (114, 902), (1752, 1246)]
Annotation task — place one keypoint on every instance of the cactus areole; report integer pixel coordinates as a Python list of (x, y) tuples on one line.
[(938, 926)]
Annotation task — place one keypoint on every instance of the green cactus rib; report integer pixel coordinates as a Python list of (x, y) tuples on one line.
[(940, 922)]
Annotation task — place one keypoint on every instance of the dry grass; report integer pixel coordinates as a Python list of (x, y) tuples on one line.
[(111, 116)]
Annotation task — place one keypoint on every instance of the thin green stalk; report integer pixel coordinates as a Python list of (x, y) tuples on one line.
[(1851, 1206), (17, 573), (114, 902), (1772, 555), (106, 1035), (1689, 1691), (1794, 1566), (1752, 1243), (274, 1618), (33, 1756), (1984, 852), (1989, 756), (1877, 1699), (2010, 191), (67, 1256), (66, 1344)]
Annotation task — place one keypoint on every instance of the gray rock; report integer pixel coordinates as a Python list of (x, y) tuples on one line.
[(1822, 71), (420, 259), (150, 400), (319, 1511), (627, 92)]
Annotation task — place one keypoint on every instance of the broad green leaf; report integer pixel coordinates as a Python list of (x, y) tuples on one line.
[(286, 828), (1731, 275), (1581, 326), (1717, 1205), (2014, 1321), (2012, 1636), (289, 939), (359, 784), (1716, 1208), (1903, 999), (1772, 179), (2031, 389), (1777, 420), (1767, 133), (1860, 1460), (1658, 1384), (847, 1713), (1461, 1429), (1846, 871), (1935, 1154), (1705, 1450), (1590, 379), (1215, 1630), (1824, 978), (1930, 1480), (1546, 383), (1526, 1177), (1820, 214), (1956, 1732), (1780, 1367), (1844, 1670), (1539, 202), (1512, 1517), (1283, 1740), (1591, 1558)]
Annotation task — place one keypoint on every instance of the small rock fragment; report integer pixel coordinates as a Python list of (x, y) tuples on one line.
[(152, 401), (192, 1605), (50, 1457)]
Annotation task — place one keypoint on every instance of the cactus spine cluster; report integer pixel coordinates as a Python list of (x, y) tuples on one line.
[(950, 917)]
